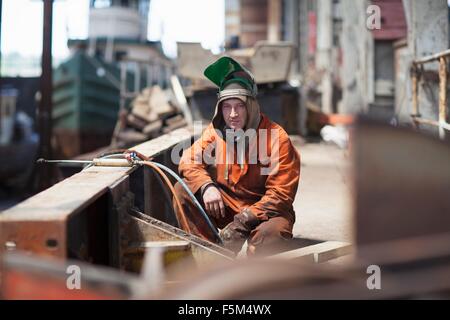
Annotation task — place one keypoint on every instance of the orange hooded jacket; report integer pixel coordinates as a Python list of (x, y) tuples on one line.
[(260, 172)]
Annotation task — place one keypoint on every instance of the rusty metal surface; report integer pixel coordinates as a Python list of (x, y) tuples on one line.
[(171, 231), (405, 274), (47, 238), (44, 223), (401, 183), (31, 278), (136, 227), (44, 218), (401, 188), (411, 269)]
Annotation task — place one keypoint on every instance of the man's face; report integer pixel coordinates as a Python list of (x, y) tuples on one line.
[(234, 113)]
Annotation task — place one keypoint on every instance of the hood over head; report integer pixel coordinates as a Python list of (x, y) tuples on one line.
[(236, 91), (234, 81)]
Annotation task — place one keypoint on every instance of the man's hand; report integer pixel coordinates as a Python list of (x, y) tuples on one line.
[(213, 202)]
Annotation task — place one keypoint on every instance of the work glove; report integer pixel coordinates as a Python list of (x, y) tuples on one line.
[(237, 232)]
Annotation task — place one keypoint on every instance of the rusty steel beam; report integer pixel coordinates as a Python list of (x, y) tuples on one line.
[(66, 220), (411, 268), (415, 268), (40, 224), (31, 278)]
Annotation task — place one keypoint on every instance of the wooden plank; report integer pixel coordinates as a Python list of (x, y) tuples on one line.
[(136, 122), (142, 108), (166, 245), (174, 126), (289, 255), (181, 99), (153, 128), (319, 252), (159, 103)]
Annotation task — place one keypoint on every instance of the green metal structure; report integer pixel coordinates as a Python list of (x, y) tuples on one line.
[(86, 97)]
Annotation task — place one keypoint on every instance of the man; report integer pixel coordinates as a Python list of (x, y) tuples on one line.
[(244, 169)]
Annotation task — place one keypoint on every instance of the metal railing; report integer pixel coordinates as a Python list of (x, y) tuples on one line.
[(417, 70)]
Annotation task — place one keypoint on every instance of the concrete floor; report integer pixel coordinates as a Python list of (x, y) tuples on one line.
[(323, 201)]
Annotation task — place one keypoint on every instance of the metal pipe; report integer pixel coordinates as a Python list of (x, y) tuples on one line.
[(99, 162), (432, 57), (1, 6), (415, 102), (64, 161), (435, 123), (442, 95)]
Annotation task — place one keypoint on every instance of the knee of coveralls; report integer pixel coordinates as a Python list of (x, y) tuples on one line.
[(197, 223), (271, 236)]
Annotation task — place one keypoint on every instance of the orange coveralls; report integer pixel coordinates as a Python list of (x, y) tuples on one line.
[(269, 197)]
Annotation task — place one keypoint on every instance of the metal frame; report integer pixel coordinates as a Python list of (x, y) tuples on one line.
[(417, 68), (76, 206)]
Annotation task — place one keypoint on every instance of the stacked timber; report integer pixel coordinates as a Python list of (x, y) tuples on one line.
[(152, 113)]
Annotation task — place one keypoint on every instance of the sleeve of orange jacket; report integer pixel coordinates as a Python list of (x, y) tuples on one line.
[(192, 166), (281, 185)]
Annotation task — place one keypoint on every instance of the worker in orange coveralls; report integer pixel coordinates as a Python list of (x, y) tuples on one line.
[(244, 169)]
